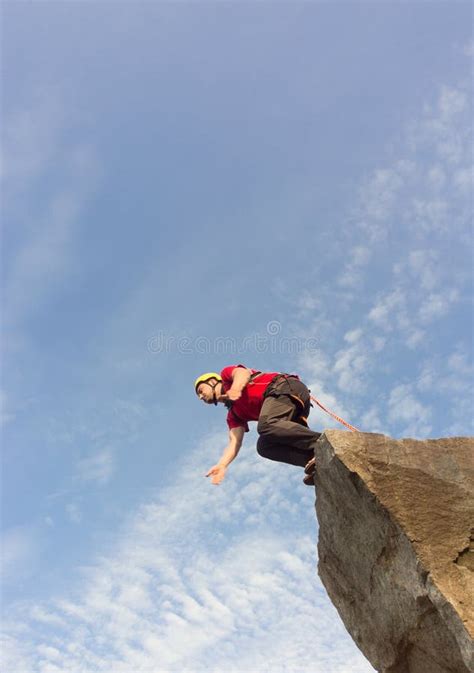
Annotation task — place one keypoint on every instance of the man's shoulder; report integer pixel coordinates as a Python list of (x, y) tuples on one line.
[(228, 370)]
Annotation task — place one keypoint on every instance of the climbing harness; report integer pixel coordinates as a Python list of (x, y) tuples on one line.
[(337, 418), (303, 419), (301, 408)]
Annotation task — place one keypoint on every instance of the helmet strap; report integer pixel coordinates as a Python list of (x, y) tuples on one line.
[(213, 386)]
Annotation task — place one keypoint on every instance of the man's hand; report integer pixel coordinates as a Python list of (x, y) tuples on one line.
[(240, 377), (217, 474), (234, 395)]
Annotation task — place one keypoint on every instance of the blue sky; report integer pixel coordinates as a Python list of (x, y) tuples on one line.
[(191, 185)]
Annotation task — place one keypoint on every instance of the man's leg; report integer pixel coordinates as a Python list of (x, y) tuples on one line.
[(281, 438)]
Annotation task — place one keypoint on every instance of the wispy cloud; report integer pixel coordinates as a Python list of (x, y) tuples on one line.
[(422, 265), (19, 548), (388, 309), (402, 284), (415, 192), (73, 512), (98, 467), (404, 407), (351, 367), (378, 198), (450, 378), (352, 274)]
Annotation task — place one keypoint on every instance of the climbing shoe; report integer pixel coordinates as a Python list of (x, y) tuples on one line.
[(308, 479), (309, 471), (310, 466)]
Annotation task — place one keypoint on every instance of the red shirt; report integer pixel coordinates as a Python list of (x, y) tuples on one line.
[(249, 405)]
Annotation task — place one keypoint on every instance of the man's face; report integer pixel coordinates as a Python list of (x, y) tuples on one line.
[(205, 392)]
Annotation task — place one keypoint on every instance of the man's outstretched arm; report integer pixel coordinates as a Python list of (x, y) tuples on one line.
[(217, 472)]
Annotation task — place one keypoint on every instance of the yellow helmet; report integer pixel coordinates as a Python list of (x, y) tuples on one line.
[(204, 378)]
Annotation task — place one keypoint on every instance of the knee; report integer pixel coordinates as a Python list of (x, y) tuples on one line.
[(263, 426), (262, 449), (264, 446)]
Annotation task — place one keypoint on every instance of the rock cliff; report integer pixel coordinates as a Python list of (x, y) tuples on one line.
[(396, 526)]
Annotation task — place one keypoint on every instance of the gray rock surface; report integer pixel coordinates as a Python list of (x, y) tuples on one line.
[(395, 547)]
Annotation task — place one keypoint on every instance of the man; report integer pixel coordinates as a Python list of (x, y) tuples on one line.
[(279, 402)]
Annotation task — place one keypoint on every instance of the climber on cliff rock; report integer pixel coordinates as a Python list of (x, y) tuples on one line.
[(279, 402)]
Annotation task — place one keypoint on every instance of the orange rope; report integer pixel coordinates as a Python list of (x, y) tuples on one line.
[(341, 420)]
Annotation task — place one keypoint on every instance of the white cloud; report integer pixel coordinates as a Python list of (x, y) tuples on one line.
[(378, 196), (424, 266), (316, 371), (382, 313), (411, 306), (450, 380), (351, 367), (98, 467), (437, 304), (404, 408), (436, 176), (353, 335), (40, 615), (48, 652), (370, 421), (378, 343), (442, 127), (458, 362), (19, 548), (353, 269), (463, 180), (453, 375), (429, 215), (418, 192), (309, 302), (415, 338), (468, 49), (74, 513), (13, 655), (451, 102), (414, 215)]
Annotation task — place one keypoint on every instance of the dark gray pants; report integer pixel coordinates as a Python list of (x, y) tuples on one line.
[(282, 438)]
